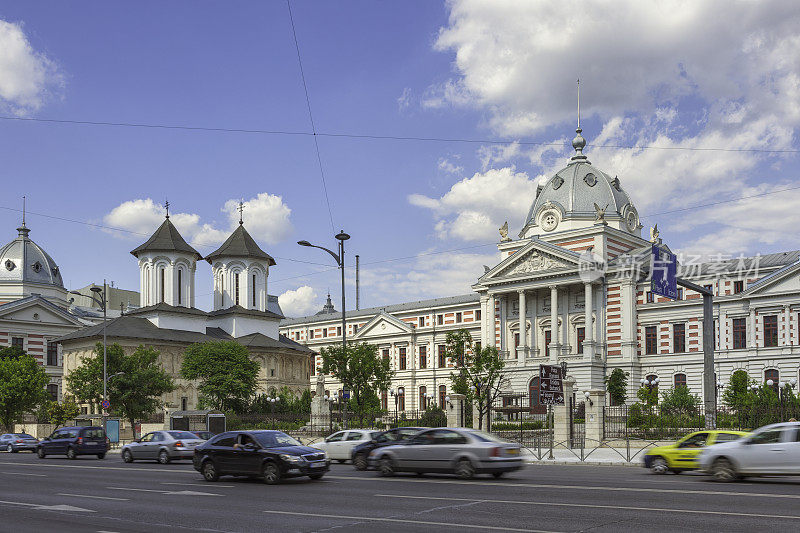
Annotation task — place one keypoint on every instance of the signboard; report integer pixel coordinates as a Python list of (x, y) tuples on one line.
[(551, 385), (112, 430), (105, 404), (663, 273), (346, 394)]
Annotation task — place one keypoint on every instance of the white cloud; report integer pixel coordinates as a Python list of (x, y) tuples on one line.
[(299, 302), (266, 219), (475, 207), (27, 77), (445, 165), (404, 100)]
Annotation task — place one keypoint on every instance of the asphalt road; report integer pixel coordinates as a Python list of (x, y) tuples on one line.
[(107, 495)]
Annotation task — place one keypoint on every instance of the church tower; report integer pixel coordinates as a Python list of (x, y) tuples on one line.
[(166, 268), (240, 269)]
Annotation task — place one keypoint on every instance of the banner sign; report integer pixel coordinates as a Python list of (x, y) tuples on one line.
[(663, 273), (551, 385)]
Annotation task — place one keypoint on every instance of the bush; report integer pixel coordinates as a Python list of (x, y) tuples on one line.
[(433, 417), (515, 426)]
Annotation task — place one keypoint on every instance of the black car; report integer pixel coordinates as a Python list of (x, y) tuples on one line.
[(74, 441), (386, 438), (271, 455)]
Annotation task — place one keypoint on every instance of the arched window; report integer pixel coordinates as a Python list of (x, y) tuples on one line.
[(442, 394), (650, 378), (679, 380), (533, 396), (180, 286), (401, 396), (161, 289), (254, 291), (384, 401), (236, 288), (52, 390), (423, 391), (774, 375)]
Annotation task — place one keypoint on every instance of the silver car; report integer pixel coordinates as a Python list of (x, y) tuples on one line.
[(162, 446), (14, 442), (460, 451)]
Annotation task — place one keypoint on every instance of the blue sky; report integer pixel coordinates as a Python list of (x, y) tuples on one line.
[(464, 69)]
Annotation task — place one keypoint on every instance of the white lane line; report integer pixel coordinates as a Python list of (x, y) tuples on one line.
[(592, 506), (127, 469), (94, 497), (574, 487), (23, 474), (408, 521), (170, 492), (206, 485), (41, 507)]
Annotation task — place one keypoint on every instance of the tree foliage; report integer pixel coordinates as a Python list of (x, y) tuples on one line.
[(59, 412), (287, 402), (617, 386), (737, 394), (22, 386), (227, 375), (135, 393), (648, 395), (679, 400), (360, 370)]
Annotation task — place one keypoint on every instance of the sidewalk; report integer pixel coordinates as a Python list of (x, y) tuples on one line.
[(600, 456)]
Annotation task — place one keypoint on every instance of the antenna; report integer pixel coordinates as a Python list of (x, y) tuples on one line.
[(23, 211)]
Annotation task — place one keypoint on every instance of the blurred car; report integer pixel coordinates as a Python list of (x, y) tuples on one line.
[(205, 435), (14, 442), (460, 451), (162, 446), (682, 455), (360, 453), (339, 446), (74, 441), (271, 455), (771, 450)]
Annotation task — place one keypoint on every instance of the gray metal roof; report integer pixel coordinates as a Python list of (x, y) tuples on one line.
[(239, 310), (22, 260), (166, 239), (240, 244), (396, 308), (165, 307), (259, 340)]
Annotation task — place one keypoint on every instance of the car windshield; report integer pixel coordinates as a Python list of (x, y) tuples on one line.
[(181, 435), (485, 437), (25, 436), (275, 440)]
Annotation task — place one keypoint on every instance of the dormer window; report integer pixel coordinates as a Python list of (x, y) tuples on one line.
[(37, 267)]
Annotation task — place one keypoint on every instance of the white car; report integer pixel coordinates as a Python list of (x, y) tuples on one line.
[(340, 445), (768, 451)]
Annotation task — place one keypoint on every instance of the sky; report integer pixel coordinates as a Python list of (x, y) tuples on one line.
[(435, 122)]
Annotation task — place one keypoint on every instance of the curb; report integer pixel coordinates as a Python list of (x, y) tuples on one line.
[(582, 463)]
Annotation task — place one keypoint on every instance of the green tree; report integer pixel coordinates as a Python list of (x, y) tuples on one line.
[(648, 395), (22, 386), (360, 370), (134, 393), (227, 375), (679, 400), (59, 412), (617, 386), (737, 394)]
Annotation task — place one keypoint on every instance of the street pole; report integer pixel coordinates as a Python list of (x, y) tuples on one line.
[(709, 380), (105, 357), (342, 236)]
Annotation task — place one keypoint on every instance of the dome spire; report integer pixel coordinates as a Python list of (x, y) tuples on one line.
[(579, 143), (23, 229)]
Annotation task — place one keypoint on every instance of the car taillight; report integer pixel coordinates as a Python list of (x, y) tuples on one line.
[(19, 440), (179, 444), (495, 452), (80, 440)]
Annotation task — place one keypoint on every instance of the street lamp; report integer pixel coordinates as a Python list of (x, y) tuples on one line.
[(101, 300), (396, 396), (341, 237)]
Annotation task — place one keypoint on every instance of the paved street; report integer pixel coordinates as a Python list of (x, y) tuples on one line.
[(91, 495)]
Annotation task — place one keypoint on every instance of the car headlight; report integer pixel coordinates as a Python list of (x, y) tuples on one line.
[(291, 458)]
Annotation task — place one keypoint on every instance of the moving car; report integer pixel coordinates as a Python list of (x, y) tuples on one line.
[(339, 446), (205, 435), (14, 442), (162, 446), (682, 455), (74, 441), (769, 451), (460, 451), (360, 453), (271, 455)]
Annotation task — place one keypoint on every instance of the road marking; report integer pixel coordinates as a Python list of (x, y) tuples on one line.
[(23, 474), (170, 492), (593, 506), (95, 497), (198, 485), (408, 521), (127, 469), (575, 487), (41, 507)]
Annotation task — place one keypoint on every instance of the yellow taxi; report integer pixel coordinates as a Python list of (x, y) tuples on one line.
[(683, 454)]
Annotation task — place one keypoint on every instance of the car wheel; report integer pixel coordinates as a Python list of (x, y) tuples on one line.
[(127, 456), (464, 469), (316, 476), (163, 457), (723, 470), (101, 456), (71, 453), (271, 473), (360, 461), (209, 471), (497, 475), (10, 449), (40, 453), (659, 466), (386, 467)]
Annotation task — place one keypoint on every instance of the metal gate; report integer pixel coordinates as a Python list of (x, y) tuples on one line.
[(577, 423)]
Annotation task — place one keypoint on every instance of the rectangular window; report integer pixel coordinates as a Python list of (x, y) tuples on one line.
[(442, 358), (738, 286), (355, 329), (19, 342), (650, 297), (516, 340), (385, 354), (680, 380), (52, 354), (547, 341), (402, 363), (161, 273), (421, 322), (739, 334), (678, 338), (581, 336), (313, 361), (180, 287), (253, 289), (477, 346), (478, 314), (423, 357), (458, 317), (651, 340), (324, 333), (680, 294), (339, 331), (439, 320), (311, 334), (236, 288), (770, 330)]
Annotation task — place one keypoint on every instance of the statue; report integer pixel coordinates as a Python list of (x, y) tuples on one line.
[(654, 235), (600, 213), (504, 232), (486, 269)]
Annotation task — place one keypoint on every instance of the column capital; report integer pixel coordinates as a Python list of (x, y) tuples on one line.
[(553, 287), (523, 291)]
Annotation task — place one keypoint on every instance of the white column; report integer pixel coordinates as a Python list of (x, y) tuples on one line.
[(523, 324), (553, 323), (751, 334), (534, 315), (484, 320), (588, 326), (491, 324), (785, 338)]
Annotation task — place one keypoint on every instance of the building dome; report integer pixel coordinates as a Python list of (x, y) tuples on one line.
[(25, 269), (572, 197)]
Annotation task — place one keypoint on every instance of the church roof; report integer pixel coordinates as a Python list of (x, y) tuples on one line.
[(259, 340), (166, 239), (239, 310), (328, 308), (133, 327), (240, 244)]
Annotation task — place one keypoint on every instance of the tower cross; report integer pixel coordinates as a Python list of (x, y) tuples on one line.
[(241, 210), (166, 205)]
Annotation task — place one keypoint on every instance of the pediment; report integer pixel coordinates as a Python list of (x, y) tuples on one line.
[(782, 281), (383, 324), (535, 258), (37, 310)]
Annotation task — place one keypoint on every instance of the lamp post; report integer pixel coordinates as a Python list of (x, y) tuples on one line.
[(102, 301), (396, 396), (341, 237), (650, 384)]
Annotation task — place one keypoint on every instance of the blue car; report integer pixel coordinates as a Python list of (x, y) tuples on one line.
[(74, 441), (14, 442)]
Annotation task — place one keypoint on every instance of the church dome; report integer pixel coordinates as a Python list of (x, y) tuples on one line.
[(572, 197), (24, 261)]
